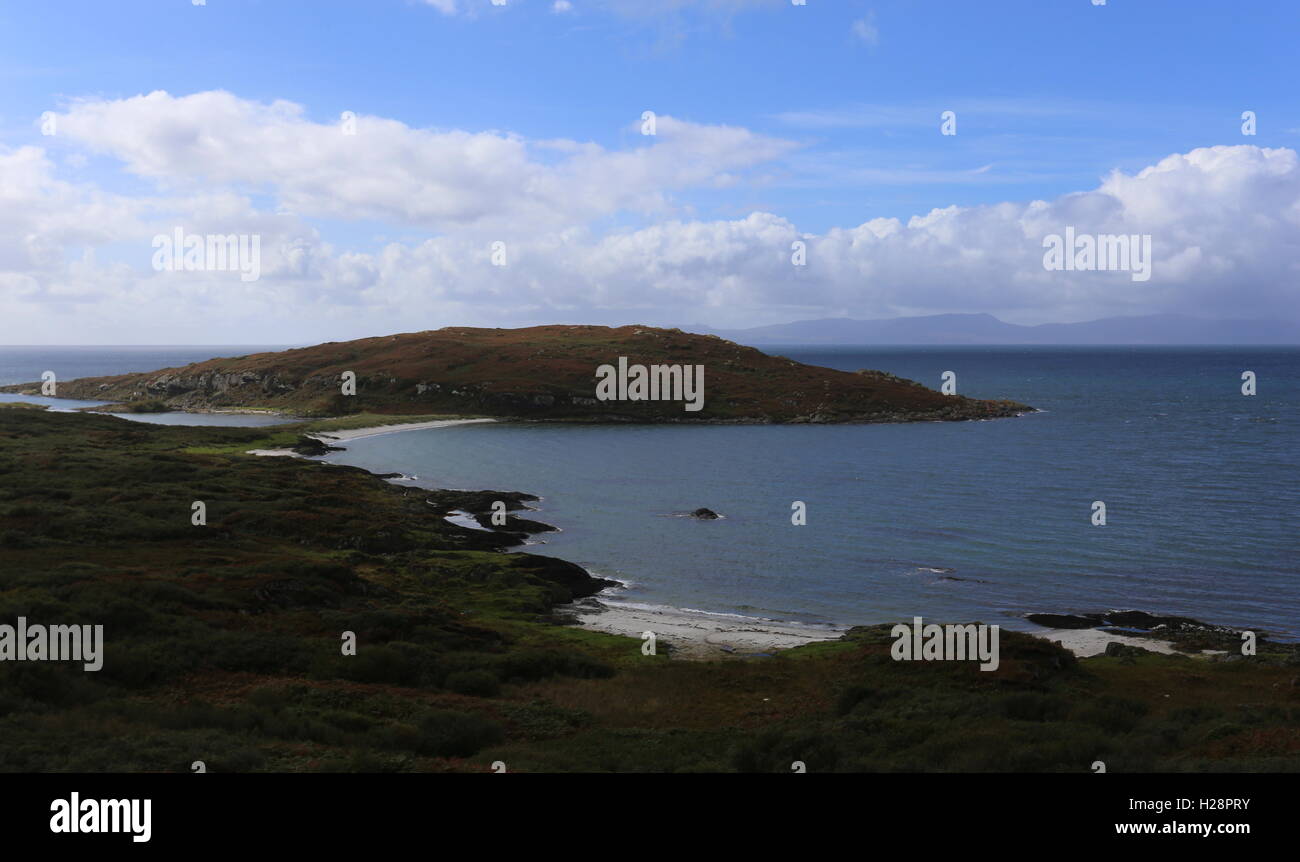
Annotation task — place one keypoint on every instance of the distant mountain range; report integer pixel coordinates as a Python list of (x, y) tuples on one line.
[(956, 329)]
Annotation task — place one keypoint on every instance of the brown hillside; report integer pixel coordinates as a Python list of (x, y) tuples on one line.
[(542, 372)]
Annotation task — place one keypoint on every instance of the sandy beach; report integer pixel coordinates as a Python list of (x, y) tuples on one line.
[(343, 435), (1089, 642), (698, 635)]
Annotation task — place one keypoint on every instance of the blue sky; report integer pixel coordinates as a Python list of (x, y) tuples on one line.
[(1051, 96)]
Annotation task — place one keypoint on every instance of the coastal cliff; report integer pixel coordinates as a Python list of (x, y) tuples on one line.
[(544, 372)]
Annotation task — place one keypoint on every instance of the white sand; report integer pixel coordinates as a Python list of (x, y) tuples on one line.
[(465, 519), (328, 437), (698, 635), (1090, 642), (375, 430)]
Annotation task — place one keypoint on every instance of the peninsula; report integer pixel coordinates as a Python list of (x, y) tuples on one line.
[(541, 372)]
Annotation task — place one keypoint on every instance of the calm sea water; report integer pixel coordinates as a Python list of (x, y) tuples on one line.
[(26, 364), (1200, 484), (949, 521)]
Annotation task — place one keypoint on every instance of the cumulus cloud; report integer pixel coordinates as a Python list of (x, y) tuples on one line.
[(388, 171), (40, 215), (1223, 222), (74, 259)]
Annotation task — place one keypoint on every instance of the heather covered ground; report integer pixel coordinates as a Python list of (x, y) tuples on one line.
[(541, 372), (223, 644)]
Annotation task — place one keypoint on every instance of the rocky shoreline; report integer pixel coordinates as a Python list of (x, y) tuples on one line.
[(513, 407), (701, 635), (1133, 632), (230, 634)]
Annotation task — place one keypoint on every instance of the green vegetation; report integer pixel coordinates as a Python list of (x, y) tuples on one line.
[(288, 435), (223, 644), (153, 405), (540, 372)]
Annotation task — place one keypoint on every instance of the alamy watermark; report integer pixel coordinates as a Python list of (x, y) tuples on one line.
[(38, 642), (130, 816), (971, 642), (181, 252), (1107, 252), (652, 383)]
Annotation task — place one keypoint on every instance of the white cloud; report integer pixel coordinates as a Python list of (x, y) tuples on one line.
[(1225, 224), (561, 6), (40, 215), (439, 180)]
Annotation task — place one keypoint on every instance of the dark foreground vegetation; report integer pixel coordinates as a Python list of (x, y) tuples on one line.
[(223, 644)]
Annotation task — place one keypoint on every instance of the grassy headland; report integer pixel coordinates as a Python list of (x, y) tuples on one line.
[(542, 372), (223, 644)]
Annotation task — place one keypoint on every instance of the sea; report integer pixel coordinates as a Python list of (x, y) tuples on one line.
[(27, 364), (949, 521)]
